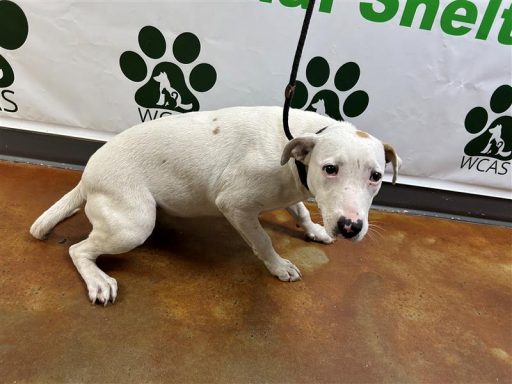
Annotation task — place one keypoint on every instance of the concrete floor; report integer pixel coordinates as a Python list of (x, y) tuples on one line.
[(422, 300)]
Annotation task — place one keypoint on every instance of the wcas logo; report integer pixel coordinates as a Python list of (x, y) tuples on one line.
[(164, 89), (491, 148)]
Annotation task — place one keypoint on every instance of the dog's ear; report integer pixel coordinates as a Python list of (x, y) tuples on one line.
[(393, 158), (298, 148)]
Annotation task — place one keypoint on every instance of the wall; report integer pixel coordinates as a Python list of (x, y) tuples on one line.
[(431, 77)]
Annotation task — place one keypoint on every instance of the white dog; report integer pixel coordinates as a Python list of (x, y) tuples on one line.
[(234, 162)]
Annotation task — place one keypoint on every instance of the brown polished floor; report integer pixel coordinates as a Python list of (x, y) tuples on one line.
[(422, 300)]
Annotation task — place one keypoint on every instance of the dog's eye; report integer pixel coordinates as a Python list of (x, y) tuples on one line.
[(375, 176), (330, 169)]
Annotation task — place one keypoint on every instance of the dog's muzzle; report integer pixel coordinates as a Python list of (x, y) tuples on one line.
[(348, 228)]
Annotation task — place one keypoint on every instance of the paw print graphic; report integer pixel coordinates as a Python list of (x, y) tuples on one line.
[(493, 140), (13, 33), (326, 101), (167, 87)]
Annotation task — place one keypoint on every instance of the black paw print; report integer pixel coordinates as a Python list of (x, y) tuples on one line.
[(493, 140), (13, 33), (167, 87), (327, 101)]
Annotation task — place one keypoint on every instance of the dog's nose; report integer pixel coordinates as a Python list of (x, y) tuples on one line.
[(348, 228)]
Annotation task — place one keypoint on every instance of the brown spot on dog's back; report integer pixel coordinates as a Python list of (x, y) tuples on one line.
[(216, 130), (362, 134)]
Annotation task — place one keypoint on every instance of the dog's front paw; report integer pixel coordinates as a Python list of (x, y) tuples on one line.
[(284, 270), (316, 232), (101, 287)]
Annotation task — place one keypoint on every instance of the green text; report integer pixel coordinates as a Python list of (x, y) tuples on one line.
[(457, 18)]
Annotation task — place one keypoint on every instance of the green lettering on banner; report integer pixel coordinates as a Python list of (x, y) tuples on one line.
[(488, 19), (325, 5), (457, 18), (431, 7), (295, 3), (369, 13), (505, 35), (450, 15)]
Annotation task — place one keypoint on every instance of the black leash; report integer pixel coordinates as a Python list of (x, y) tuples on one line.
[(290, 89)]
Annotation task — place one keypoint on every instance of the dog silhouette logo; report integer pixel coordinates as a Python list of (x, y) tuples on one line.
[(168, 95)]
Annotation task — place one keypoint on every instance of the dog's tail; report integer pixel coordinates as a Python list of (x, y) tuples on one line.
[(67, 206), (186, 107)]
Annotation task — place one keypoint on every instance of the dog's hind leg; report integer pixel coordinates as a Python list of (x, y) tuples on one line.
[(315, 232), (249, 227), (119, 225)]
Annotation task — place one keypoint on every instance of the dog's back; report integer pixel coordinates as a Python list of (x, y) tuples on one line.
[(195, 155)]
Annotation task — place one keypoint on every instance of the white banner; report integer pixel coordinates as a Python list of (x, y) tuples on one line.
[(431, 77)]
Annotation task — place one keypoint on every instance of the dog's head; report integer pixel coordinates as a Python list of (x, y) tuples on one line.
[(345, 168), (496, 130), (160, 77)]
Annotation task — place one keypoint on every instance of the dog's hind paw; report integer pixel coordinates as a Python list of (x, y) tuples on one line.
[(316, 232)]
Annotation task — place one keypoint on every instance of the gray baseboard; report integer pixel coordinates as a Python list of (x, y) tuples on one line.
[(71, 152), (46, 147)]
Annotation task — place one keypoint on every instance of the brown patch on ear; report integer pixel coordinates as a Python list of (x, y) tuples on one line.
[(216, 131), (362, 134), (392, 157)]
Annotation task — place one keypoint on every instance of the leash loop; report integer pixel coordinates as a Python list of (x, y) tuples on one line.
[(290, 88)]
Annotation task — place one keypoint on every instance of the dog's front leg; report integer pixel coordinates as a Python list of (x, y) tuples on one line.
[(249, 227), (315, 232)]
